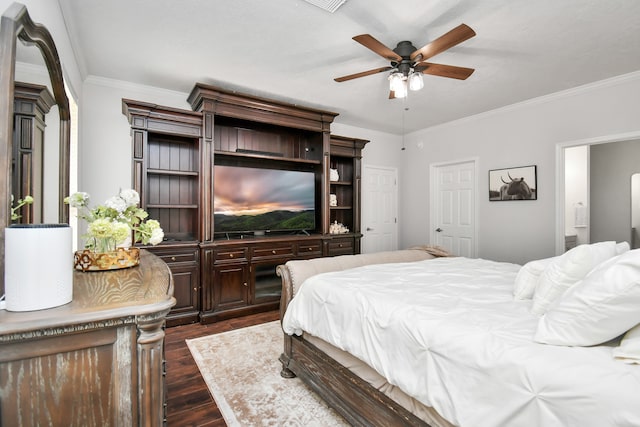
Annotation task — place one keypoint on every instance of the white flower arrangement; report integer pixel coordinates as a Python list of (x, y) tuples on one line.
[(111, 224)]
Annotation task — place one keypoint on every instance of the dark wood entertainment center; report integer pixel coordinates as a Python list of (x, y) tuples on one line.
[(217, 275)]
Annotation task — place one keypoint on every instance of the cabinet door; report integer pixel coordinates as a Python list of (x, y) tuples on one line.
[(231, 286), (186, 283), (267, 285), (183, 261)]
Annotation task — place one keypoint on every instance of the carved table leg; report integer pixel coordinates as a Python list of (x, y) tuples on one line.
[(151, 390)]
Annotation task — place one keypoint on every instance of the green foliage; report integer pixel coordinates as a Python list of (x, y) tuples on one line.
[(276, 220)]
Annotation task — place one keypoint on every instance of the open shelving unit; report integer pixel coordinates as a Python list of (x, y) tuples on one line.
[(346, 158), (166, 173), (171, 192)]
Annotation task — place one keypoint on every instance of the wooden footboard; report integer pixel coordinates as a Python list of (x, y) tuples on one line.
[(352, 397)]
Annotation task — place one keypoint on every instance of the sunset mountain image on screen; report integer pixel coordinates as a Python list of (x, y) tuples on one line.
[(253, 199)]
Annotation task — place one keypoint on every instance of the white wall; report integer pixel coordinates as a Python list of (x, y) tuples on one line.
[(523, 134), (383, 149), (105, 160)]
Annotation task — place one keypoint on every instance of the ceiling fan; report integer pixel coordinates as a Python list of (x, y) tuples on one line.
[(408, 63)]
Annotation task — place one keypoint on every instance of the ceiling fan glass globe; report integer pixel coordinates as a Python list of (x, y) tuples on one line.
[(401, 91), (415, 81), (396, 82)]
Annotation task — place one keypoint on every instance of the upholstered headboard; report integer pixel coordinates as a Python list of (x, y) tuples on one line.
[(294, 273)]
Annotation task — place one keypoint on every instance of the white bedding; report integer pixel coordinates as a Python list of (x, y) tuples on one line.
[(448, 332)]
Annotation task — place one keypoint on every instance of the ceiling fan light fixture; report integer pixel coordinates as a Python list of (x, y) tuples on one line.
[(401, 92), (397, 82), (415, 81)]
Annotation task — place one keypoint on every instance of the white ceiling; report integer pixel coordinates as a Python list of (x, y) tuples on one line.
[(290, 50)]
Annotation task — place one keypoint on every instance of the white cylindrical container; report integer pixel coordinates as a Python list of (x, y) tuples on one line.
[(38, 266)]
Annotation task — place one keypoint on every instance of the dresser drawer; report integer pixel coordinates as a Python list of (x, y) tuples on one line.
[(284, 249), (231, 254), (172, 256), (309, 248), (341, 247)]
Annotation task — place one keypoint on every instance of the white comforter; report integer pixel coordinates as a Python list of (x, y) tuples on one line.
[(448, 332)]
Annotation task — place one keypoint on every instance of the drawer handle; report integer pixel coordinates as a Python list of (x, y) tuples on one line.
[(273, 251), (230, 255), (173, 258), (245, 283), (310, 248), (339, 245)]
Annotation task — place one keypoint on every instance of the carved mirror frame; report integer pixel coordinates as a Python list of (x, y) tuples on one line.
[(17, 24)]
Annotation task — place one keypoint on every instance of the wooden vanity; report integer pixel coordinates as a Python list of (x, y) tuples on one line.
[(97, 361)]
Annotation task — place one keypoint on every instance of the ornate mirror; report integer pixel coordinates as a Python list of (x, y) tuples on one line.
[(16, 24)]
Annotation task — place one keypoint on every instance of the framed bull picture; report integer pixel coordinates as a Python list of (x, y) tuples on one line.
[(519, 183)]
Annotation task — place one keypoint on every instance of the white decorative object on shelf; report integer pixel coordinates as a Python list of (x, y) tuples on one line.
[(338, 228), (334, 175), (333, 200)]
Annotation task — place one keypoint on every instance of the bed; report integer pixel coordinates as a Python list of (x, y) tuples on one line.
[(408, 338)]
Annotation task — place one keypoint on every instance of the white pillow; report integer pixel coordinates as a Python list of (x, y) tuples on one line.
[(528, 277), (601, 307), (629, 349), (566, 270), (622, 247)]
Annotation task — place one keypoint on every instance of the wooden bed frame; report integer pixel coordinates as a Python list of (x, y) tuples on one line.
[(353, 398), (356, 400)]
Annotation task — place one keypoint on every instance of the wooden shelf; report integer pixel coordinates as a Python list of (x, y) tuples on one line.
[(171, 172), (337, 208), (340, 183), (231, 154)]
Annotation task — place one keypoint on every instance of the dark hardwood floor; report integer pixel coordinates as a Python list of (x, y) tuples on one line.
[(189, 402)]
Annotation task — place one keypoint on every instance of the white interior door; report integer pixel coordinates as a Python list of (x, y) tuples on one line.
[(453, 207), (379, 209)]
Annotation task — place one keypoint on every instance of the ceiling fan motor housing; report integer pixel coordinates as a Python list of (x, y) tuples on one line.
[(404, 49)]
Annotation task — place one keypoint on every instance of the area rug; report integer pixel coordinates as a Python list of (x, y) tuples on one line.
[(242, 371)]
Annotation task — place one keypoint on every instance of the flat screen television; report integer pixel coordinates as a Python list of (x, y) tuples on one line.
[(256, 200)]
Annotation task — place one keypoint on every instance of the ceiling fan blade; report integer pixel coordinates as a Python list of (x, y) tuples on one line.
[(369, 42), (451, 71), (362, 74), (456, 36)]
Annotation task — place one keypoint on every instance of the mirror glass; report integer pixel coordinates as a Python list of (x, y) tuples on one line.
[(601, 202), (36, 119)]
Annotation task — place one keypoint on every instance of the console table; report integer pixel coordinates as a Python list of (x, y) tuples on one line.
[(95, 361)]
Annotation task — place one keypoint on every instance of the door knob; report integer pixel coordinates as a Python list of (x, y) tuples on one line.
[(438, 229)]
